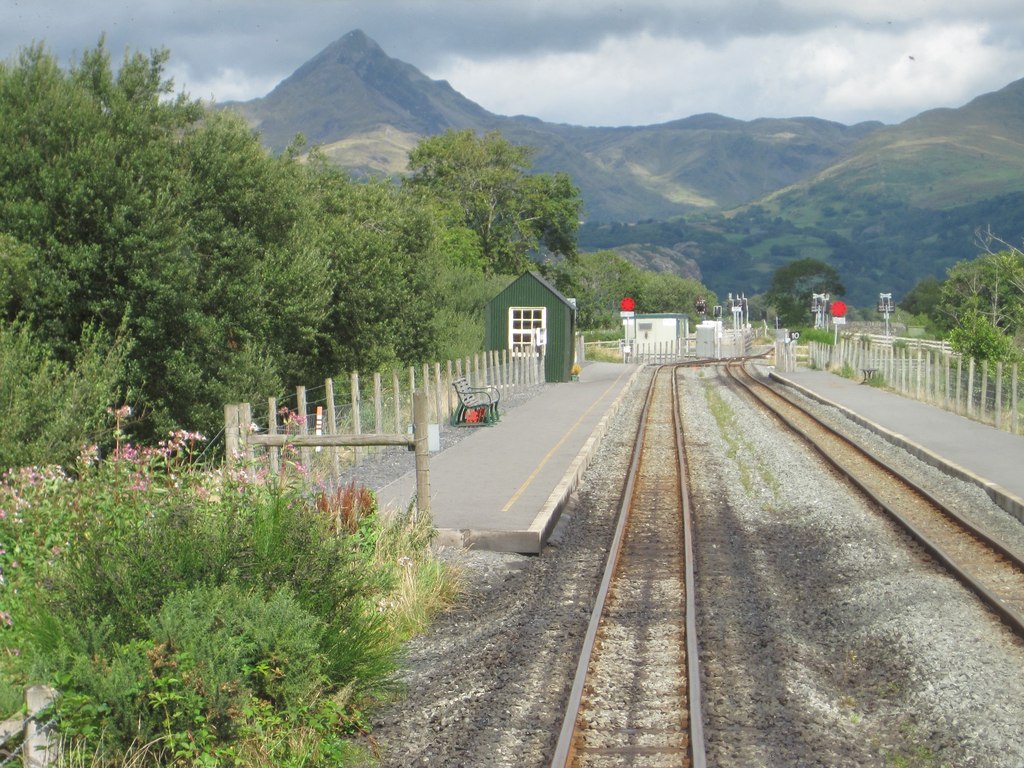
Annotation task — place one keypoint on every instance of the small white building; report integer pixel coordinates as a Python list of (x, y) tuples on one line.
[(656, 328)]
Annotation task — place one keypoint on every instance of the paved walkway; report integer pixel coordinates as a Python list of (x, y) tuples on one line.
[(992, 458), (503, 487)]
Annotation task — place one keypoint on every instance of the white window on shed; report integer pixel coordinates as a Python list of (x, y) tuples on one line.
[(527, 329)]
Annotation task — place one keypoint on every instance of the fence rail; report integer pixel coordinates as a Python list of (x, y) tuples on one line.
[(980, 390), (333, 427)]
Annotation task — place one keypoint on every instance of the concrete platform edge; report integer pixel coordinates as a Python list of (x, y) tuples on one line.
[(1006, 500)]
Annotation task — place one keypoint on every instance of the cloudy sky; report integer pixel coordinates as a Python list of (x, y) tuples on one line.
[(585, 62)]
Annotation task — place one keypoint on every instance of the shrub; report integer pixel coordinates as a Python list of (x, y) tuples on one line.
[(193, 615), (50, 409)]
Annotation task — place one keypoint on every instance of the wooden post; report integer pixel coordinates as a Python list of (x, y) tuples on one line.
[(426, 385), (332, 429), (305, 455), (40, 749), (947, 396), (397, 401), (959, 381), (231, 452), (1014, 416), (917, 389), (983, 401), (449, 405), (273, 452), (420, 407), (999, 394), (970, 387), (378, 405), (357, 414), (438, 389)]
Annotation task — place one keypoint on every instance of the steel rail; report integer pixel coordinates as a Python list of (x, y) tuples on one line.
[(698, 750), (565, 746), (1012, 617)]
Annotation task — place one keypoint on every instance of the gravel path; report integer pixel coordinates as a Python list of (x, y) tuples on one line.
[(827, 639)]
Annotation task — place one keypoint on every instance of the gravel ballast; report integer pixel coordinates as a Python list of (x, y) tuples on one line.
[(827, 637)]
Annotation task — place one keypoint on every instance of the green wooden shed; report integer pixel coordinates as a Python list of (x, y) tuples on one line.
[(531, 314)]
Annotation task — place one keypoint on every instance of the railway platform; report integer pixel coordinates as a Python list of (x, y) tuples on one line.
[(503, 487), (970, 450)]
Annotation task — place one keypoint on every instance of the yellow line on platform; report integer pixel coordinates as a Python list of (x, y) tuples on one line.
[(533, 475)]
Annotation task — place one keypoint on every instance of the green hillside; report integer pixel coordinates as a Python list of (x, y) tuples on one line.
[(726, 201)]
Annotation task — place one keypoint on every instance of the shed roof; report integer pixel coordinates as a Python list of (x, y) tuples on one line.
[(543, 282)]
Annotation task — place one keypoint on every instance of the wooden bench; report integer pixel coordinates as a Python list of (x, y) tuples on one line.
[(478, 406), (868, 373)]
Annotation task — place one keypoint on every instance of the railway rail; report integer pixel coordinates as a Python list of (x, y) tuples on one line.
[(977, 559), (636, 695)]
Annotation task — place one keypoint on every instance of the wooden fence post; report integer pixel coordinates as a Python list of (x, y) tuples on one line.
[(274, 453), (378, 404), (449, 405), (999, 394), (984, 390), (438, 389), (1014, 415), (332, 429), (40, 749), (357, 413), (231, 433), (420, 408), (970, 387), (397, 401), (300, 404)]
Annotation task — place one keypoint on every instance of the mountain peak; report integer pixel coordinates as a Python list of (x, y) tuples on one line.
[(353, 86), (353, 50)]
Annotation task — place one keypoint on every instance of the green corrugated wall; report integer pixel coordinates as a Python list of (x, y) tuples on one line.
[(531, 290)]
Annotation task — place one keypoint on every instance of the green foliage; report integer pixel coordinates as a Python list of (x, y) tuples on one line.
[(819, 335), (483, 186), (992, 286), (976, 336), (599, 281), (196, 614), (50, 408), (923, 298), (228, 274), (794, 284)]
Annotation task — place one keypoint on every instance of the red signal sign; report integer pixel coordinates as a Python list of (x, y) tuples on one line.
[(627, 304), (838, 308)]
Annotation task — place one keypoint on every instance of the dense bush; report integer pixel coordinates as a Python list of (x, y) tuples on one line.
[(48, 407), (200, 618)]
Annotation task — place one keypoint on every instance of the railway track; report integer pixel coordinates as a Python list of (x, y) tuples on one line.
[(636, 696), (978, 560)]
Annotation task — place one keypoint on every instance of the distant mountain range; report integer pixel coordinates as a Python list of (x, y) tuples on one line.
[(724, 200)]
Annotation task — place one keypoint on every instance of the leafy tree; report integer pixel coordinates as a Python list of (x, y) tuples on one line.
[(975, 336), (381, 251), (923, 298), (794, 285), (991, 286), (49, 408), (923, 302), (669, 292), (482, 185), (598, 281)]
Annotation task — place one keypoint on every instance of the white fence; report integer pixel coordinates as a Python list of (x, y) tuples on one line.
[(986, 392)]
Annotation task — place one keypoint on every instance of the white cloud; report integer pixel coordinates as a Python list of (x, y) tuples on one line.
[(225, 84), (596, 62), (843, 73)]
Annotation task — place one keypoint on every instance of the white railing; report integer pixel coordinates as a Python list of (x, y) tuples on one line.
[(980, 390)]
